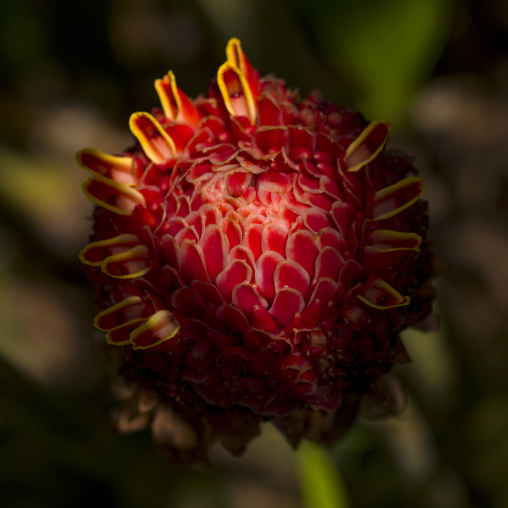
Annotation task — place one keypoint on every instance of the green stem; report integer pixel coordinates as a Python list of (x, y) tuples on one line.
[(322, 485)]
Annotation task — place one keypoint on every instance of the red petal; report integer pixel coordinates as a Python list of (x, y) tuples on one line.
[(320, 201), (301, 143), (287, 303), (173, 226), (169, 279), (261, 318), (329, 264), (316, 220), (193, 262), (215, 250), (245, 297), (330, 187), (170, 250), (309, 184), (274, 237), (329, 237), (183, 206), (342, 214), (235, 273), (290, 274), (254, 339), (188, 302), (271, 139), (187, 233), (232, 227), (311, 315), (211, 214), (238, 182), (350, 272), (197, 221), (264, 361), (243, 253), (301, 247), (269, 112), (324, 292), (208, 293), (265, 268), (233, 318), (274, 182), (252, 239), (221, 341)]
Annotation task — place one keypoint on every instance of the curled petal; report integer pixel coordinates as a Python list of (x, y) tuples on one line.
[(236, 92), (113, 196), (387, 248), (395, 198), (120, 335), (155, 141), (380, 295), (176, 105), (132, 263), (367, 146), (236, 56), (119, 169), (157, 329), (96, 252), (128, 309), (388, 240)]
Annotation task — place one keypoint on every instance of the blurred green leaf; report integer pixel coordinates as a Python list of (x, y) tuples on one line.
[(322, 486), (385, 48)]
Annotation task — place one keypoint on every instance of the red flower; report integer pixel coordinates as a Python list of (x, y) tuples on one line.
[(255, 257)]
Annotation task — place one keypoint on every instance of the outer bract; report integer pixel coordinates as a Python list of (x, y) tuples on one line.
[(255, 257)]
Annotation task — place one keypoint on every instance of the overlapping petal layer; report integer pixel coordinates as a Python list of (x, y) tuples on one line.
[(256, 255)]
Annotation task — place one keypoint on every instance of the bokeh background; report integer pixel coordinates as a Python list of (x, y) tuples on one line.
[(71, 73)]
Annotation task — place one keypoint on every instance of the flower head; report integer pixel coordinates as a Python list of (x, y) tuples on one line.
[(255, 257)]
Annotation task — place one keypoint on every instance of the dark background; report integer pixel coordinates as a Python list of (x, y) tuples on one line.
[(71, 73)]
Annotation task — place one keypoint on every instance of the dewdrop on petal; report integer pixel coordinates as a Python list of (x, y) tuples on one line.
[(254, 256)]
